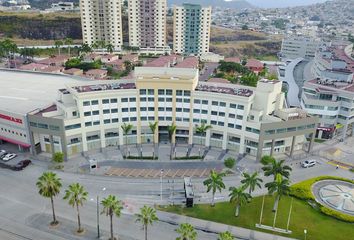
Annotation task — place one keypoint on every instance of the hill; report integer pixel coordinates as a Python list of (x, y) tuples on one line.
[(236, 4)]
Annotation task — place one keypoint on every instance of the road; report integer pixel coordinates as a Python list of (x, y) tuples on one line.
[(20, 202), (208, 71)]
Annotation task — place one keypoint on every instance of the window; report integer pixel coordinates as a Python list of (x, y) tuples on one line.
[(150, 99), (196, 101), (142, 91), (133, 119), (214, 103), (132, 99), (96, 123), (179, 92), (221, 114), (125, 119), (42, 125), (86, 114), (73, 126), (222, 104), (105, 101), (233, 105), (187, 93), (161, 118), (291, 129), (168, 99), (32, 124), (106, 111), (230, 125), (161, 91), (231, 115), (125, 110), (169, 92), (161, 99), (239, 127), (240, 117), (143, 109), (204, 111), (86, 103), (114, 100), (150, 91), (124, 99), (205, 102), (143, 118), (213, 122), (241, 107), (114, 110), (168, 109), (107, 121), (221, 123), (168, 118), (95, 112), (196, 110), (186, 100), (94, 102), (88, 124), (185, 109), (178, 109), (132, 109), (178, 99), (74, 113), (114, 120), (214, 113)]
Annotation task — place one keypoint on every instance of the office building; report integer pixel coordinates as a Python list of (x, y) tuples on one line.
[(293, 47), (191, 29), (101, 21), (147, 23)]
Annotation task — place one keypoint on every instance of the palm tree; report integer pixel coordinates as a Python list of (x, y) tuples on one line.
[(76, 196), (276, 167), (186, 232), (251, 181), (126, 129), (201, 130), (49, 186), (153, 128), (101, 44), (146, 216), (225, 236), (110, 48), (239, 197), (128, 65), (85, 48), (111, 207), (171, 132), (213, 183), (68, 42), (58, 44), (280, 187), (95, 45)]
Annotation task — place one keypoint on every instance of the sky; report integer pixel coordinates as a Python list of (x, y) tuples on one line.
[(282, 3)]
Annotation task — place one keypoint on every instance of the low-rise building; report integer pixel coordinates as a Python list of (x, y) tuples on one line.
[(254, 65), (55, 61), (96, 73), (293, 47), (73, 71), (33, 67)]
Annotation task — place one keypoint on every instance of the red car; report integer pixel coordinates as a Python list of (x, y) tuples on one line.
[(21, 165)]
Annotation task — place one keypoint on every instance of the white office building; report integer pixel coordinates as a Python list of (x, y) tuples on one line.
[(293, 47), (101, 21)]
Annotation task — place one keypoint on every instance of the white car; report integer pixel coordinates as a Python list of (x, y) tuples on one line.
[(2, 153), (9, 156), (308, 163)]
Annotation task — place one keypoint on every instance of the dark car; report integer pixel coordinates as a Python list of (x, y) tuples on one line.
[(21, 165)]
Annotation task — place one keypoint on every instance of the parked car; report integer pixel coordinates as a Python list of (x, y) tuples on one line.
[(21, 165), (308, 163), (2, 153), (9, 156)]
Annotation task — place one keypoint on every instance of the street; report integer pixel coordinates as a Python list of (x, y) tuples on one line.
[(20, 202)]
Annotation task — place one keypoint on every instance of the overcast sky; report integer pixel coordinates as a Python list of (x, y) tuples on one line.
[(282, 3)]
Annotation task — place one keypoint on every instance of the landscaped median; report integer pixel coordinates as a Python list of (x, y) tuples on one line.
[(312, 217)]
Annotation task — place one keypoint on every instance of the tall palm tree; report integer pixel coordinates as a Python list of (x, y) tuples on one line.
[(126, 127), (225, 236), (110, 48), (213, 183), (186, 232), (201, 130), (95, 45), (277, 167), (76, 196), (239, 197), (58, 44), (153, 128), (68, 42), (171, 132), (111, 207), (146, 216), (85, 48), (251, 181), (49, 186), (280, 187)]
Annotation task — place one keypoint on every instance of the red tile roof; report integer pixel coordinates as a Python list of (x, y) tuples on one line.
[(188, 62)]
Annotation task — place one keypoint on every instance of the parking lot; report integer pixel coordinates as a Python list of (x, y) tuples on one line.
[(12, 148), (156, 173)]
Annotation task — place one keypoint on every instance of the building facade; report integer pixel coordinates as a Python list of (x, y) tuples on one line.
[(101, 21), (191, 29), (243, 119), (294, 47), (147, 23)]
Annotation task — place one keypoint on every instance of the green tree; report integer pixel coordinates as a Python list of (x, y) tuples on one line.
[(49, 186), (201, 131), (249, 79), (276, 167), (58, 157), (225, 236), (112, 206), (213, 183), (76, 196), (85, 48), (147, 216), (110, 48), (8, 48), (239, 197), (251, 181), (230, 162), (128, 65), (171, 132), (126, 127), (245, 27), (27, 52), (186, 232), (280, 187), (153, 127), (68, 42), (73, 63), (58, 44)]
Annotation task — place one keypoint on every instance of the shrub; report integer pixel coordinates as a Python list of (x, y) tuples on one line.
[(230, 162), (142, 157), (189, 158), (58, 157), (337, 215), (352, 169)]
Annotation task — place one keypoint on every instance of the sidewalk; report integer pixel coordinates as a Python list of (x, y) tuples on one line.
[(213, 227)]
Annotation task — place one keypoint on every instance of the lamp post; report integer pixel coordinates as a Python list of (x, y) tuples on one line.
[(305, 232), (161, 173), (98, 213)]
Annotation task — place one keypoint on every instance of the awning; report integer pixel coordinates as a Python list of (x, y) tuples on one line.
[(15, 142)]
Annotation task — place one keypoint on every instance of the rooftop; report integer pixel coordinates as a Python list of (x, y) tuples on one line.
[(104, 87), (23, 92), (322, 85), (232, 89), (188, 62)]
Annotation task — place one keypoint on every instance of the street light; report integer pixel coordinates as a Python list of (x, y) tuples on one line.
[(305, 232), (98, 213), (161, 173)]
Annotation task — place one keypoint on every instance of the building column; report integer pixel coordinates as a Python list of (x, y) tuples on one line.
[(272, 147), (84, 142), (103, 139), (207, 138), (259, 150), (121, 137), (312, 139), (292, 146), (242, 145), (51, 144), (33, 145), (345, 128), (224, 141), (64, 147)]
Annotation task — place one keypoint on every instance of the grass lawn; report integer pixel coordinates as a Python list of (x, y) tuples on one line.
[(303, 216)]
